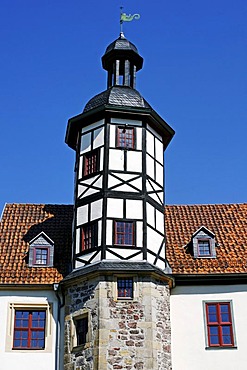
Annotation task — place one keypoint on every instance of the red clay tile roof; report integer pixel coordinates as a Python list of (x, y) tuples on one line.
[(20, 224), (229, 224)]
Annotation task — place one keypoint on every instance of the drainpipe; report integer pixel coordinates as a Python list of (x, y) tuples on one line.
[(60, 304)]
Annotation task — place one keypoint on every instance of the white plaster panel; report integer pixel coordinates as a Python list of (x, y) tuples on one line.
[(137, 183), (109, 232), (110, 256), (154, 240), (134, 161), (115, 208), (159, 151), (112, 139), (139, 138), (154, 132), (101, 164), (99, 232), (150, 166), (159, 174), (154, 185), (126, 188), (139, 234), (96, 258), (150, 215), (96, 209), (80, 167), (186, 305), (79, 264), (131, 122), (125, 253), (77, 242), (85, 143), (160, 263), (89, 192), (150, 143), (116, 159), (82, 215), (160, 221), (87, 256), (92, 126), (134, 209), (112, 181), (98, 137)]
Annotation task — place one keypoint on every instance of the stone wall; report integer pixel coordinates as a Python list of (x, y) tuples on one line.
[(131, 335)]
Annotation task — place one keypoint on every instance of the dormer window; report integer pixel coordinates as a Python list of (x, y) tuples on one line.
[(203, 242), (204, 249), (41, 251), (41, 256)]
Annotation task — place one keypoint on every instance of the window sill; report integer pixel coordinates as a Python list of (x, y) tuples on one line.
[(220, 348)]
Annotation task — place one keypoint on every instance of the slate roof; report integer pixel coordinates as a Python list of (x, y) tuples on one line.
[(229, 224), (20, 224), (117, 96)]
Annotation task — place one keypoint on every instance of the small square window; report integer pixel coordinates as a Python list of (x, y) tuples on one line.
[(89, 236), (125, 288), (91, 163), (41, 256), (125, 138), (219, 324), (204, 247), (124, 233), (29, 329), (81, 326)]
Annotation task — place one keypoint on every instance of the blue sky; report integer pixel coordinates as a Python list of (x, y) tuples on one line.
[(194, 76)]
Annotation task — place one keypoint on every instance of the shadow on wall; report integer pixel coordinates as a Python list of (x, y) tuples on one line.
[(57, 227)]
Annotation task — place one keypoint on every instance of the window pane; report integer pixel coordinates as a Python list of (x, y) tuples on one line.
[(125, 287), (213, 335), (212, 313), (226, 335), (224, 313)]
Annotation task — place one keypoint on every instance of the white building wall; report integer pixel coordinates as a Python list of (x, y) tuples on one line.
[(188, 328), (26, 359)]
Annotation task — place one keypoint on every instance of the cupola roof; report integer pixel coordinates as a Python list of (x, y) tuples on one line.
[(117, 96)]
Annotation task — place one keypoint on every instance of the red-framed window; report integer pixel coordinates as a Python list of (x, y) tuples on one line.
[(204, 248), (124, 233), (29, 329), (41, 256), (125, 137), (89, 236), (219, 324), (91, 163), (81, 326), (125, 287)]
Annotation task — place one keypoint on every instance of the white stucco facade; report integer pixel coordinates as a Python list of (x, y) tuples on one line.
[(29, 359), (188, 322)]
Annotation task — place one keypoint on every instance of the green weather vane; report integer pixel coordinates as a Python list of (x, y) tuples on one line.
[(126, 18)]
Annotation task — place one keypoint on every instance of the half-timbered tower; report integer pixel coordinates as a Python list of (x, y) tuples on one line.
[(119, 142), (117, 295)]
